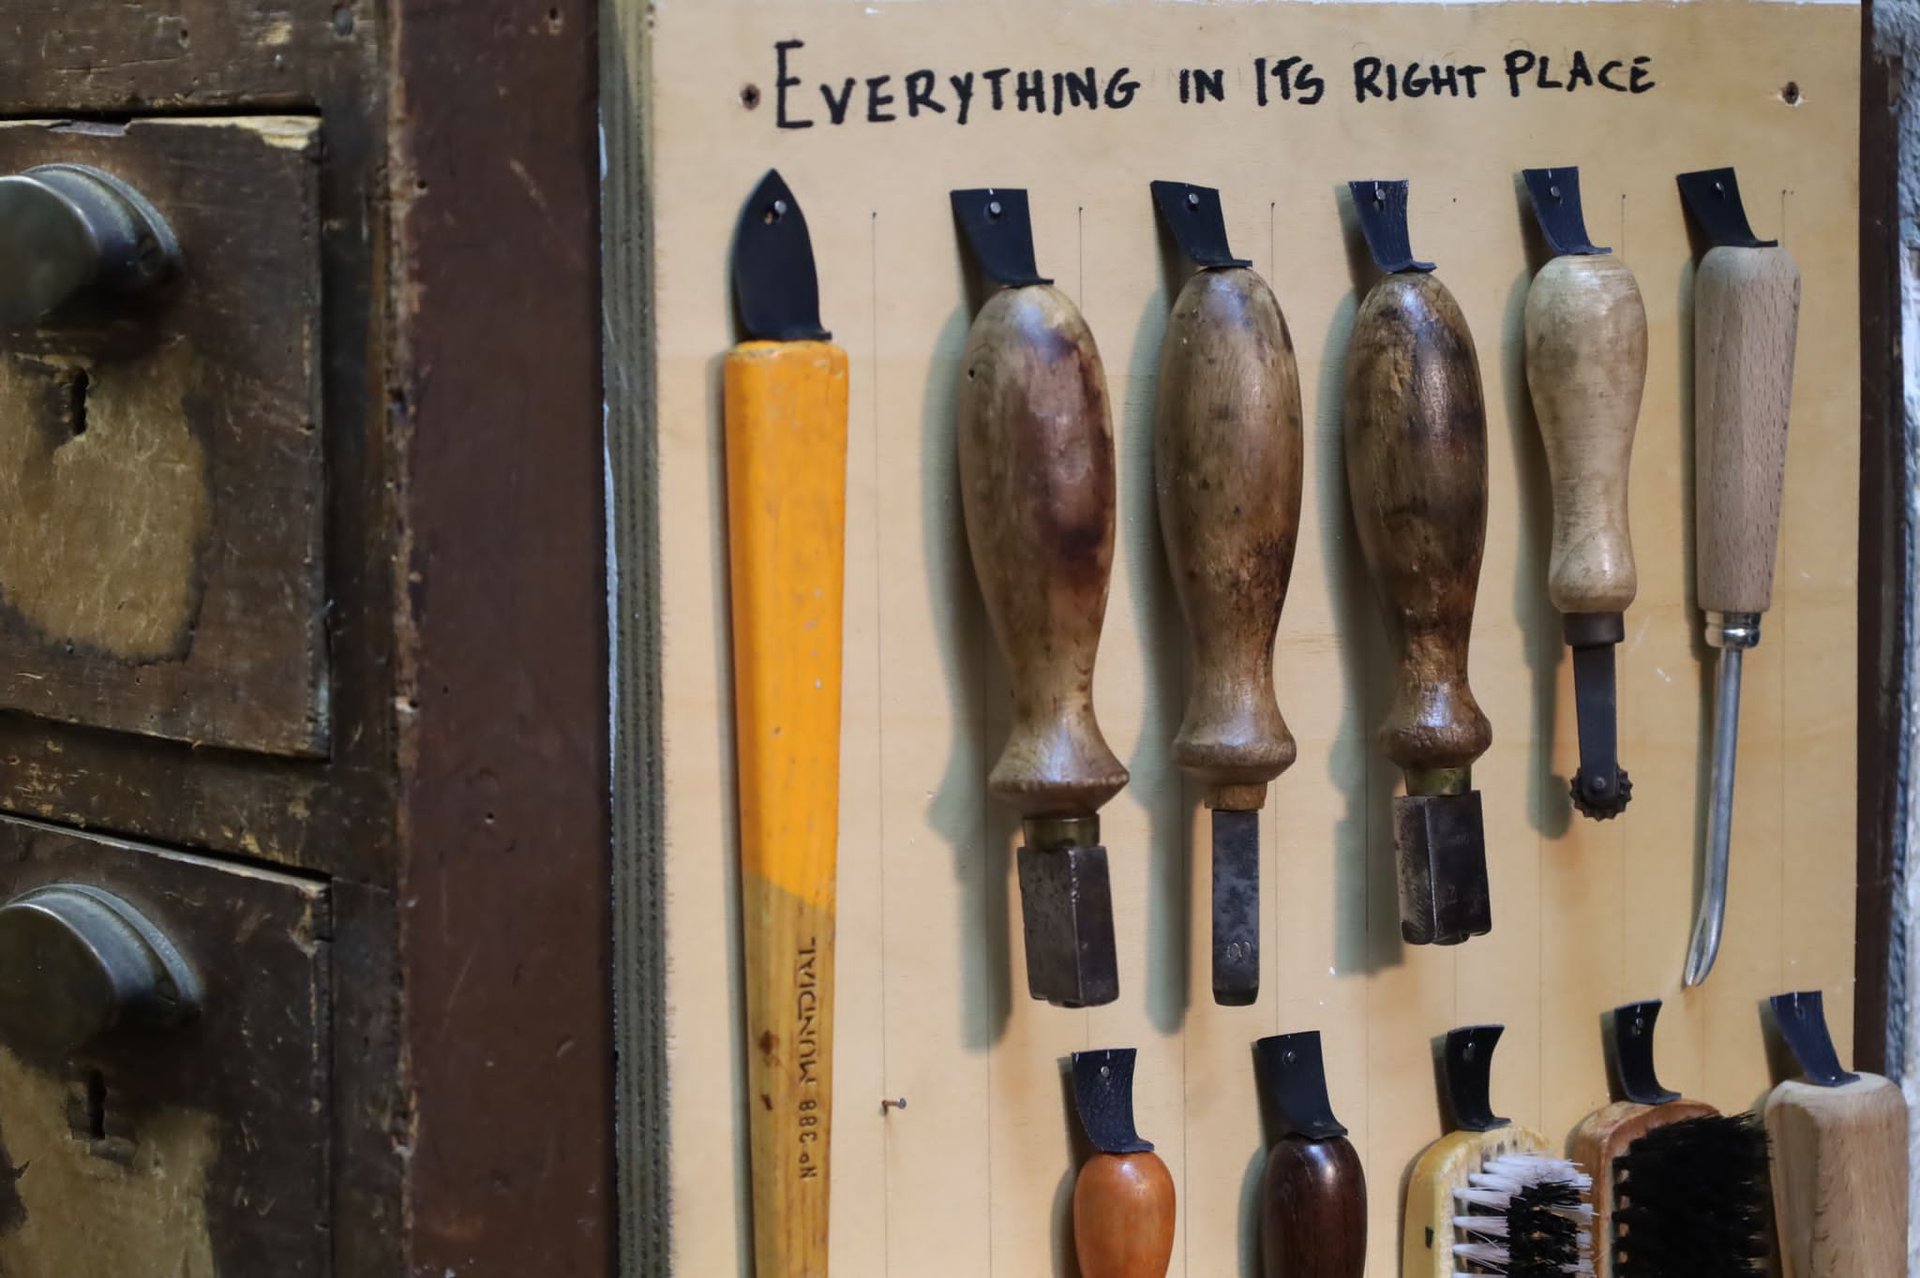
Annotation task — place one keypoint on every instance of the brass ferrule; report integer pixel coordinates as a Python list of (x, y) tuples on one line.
[(1052, 833)]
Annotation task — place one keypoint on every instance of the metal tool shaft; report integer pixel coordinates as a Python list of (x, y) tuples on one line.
[(1713, 892)]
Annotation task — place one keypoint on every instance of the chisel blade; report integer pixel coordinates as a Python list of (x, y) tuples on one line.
[(1236, 907)]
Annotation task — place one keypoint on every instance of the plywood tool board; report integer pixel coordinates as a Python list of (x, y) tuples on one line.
[(971, 1174)]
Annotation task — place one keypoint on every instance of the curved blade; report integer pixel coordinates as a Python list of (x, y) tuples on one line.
[(774, 283), (999, 230), (1192, 216)]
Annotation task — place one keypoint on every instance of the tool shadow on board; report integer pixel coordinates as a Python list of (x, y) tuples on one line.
[(1364, 780)]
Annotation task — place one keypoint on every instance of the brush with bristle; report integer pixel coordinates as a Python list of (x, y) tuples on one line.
[(1492, 1197), (1683, 1188)]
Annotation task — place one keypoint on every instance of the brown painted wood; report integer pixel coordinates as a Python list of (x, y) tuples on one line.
[(161, 481), (206, 1146), (1416, 450), (1746, 309), (1586, 356), (503, 750), (1227, 468), (1885, 565), (1313, 1210), (1123, 1216), (1037, 482)]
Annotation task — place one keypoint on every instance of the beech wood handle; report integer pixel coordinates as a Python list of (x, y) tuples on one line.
[(1746, 309), (1227, 467), (1123, 1216), (1313, 1210), (786, 427), (1840, 1178), (1586, 334), (1416, 449), (1037, 486)]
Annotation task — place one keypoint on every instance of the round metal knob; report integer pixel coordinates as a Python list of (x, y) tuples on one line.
[(68, 230), (76, 962)]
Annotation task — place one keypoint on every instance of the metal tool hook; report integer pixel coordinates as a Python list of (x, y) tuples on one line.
[(1382, 209), (1802, 1018)]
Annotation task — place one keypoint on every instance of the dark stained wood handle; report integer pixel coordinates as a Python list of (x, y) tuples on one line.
[(1123, 1216), (1416, 447), (1313, 1210), (1746, 312), (1037, 485), (1586, 337), (1227, 468)]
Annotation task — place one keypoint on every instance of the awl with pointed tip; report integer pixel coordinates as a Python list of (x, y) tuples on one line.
[(1227, 469), (1123, 1197), (786, 449), (1416, 452), (1586, 346), (1037, 490), (1746, 308)]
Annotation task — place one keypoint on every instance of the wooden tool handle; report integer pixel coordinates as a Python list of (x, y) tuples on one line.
[(1227, 466), (1416, 446), (1313, 1210), (1840, 1178), (1586, 332), (1123, 1216), (1746, 310), (786, 425), (1037, 484)]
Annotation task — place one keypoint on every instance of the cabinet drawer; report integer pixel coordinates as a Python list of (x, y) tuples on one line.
[(194, 1150), (162, 493)]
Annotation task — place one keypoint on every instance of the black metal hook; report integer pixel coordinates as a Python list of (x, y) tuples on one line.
[(1468, 1068), (775, 286), (1103, 1095), (1382, 209), (1294, 1077), (999, 229), (1193, 217), (1802, 1018), (1556, 207), (1712, 196), (1630, 1047)]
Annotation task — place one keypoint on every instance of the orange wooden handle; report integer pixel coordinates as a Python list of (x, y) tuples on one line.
[(1123, 1216), (786, 426)]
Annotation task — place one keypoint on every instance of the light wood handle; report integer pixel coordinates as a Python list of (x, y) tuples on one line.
[(1586, 334), (786, 427), (1037, 487), (1313, 1210), (1746, 310), (1123, 1216), (1227, 467), (1416, 449), (1840, 1178)]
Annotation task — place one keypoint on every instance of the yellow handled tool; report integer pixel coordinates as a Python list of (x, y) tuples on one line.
[(786, 428)]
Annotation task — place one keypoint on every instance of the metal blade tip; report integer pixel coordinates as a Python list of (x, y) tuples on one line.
[(774, 283)]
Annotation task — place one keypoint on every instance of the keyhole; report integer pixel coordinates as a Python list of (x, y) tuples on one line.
[(96, 1106), (77, 384)]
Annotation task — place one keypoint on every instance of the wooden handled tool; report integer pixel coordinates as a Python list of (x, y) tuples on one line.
[(1680, 1188), (1313, 1198), (1746, 308), (1586, 343), (1839, 1158), (1037, 487), (1416, 447), (786, 441), (1123, 1198), (1491, 1197), (1227, 468)]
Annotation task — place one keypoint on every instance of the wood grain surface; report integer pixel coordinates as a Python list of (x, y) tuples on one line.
[(1227, 465), (974, 1177), (787, 547), (1745, 320), (1602, 1137), (1313, 1210), (1840, 1178), (1416, 432), (1037, 472), (1123, 1216), (1586, 344)]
